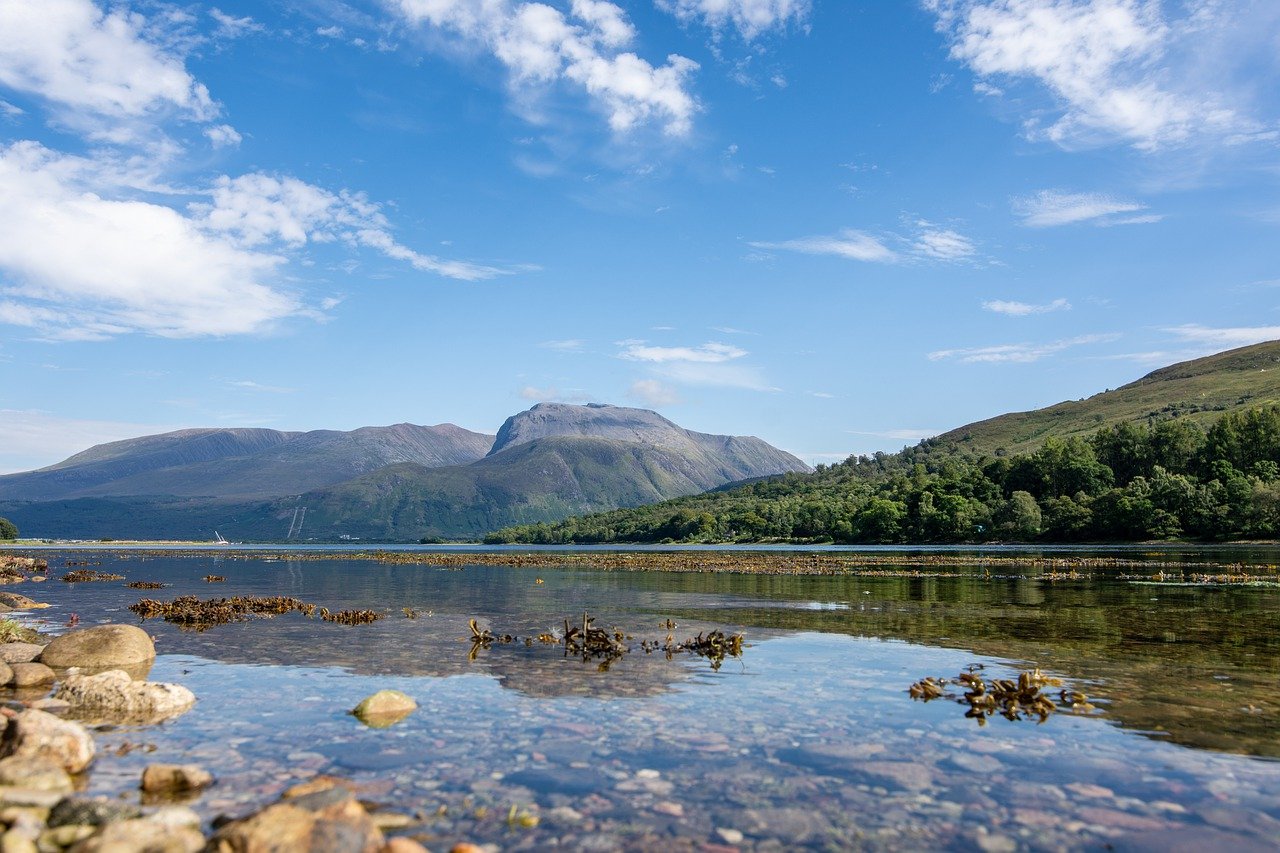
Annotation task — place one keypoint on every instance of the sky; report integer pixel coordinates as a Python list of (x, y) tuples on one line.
[(839, 226)]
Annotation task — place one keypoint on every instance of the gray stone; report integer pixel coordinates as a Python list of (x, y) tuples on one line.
[(38, 734), (37, 774), (20, 652), (113, 696), (31, 674), (91, 811), (100, 647), (175, 777)]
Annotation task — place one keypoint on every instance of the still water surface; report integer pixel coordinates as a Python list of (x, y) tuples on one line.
[(809, 740)]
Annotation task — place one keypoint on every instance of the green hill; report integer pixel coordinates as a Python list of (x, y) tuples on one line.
[(1141, 462), (1199, 390)]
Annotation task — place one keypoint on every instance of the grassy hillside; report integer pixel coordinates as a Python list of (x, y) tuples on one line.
[(1200, 390)]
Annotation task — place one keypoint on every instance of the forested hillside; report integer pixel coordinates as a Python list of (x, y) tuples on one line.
[(1127, 482)]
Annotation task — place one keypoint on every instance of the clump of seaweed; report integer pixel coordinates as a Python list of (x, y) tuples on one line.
[(146, 585), (350, 617), (189, 611), (214, 579), (1024, 698), (581, 638), (84, 575)]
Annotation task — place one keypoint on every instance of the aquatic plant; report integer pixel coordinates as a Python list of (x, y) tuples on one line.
[(1014, 700)]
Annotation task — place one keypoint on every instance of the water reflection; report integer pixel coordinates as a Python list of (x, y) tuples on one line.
[(810, 740)]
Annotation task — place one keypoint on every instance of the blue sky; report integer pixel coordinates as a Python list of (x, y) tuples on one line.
[(839, 226)]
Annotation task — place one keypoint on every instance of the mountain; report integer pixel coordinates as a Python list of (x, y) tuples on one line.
[(242, 463), (1191, 450), (549, 462), (1200, 390)]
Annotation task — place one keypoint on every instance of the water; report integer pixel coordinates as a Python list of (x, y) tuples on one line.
[(809, 740)]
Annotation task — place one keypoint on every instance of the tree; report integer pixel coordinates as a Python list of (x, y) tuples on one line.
[(1021, 516), (8, 530)]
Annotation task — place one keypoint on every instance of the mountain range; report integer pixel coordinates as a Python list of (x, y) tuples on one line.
[(397, 483)]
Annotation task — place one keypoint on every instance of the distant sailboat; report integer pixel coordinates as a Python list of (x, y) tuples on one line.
[(218, 540)]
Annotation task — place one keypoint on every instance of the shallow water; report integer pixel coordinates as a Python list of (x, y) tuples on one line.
[(808, 740)]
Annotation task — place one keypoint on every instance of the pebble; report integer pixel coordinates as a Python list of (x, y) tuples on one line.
[(729, 836), (669, 808), (1088, 790)]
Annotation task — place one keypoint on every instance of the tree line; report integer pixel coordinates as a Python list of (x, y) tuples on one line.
[(1163, 479)]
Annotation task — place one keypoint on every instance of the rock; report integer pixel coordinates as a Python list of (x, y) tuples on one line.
[(175, 777), (65, 836), (384, 708), (175, 816), (466, 847), (39, 734), (6, 674), (142, 836), (329, 820), (667, 807), (729, 836), (101, 647), (19, 602), (20, 652), (14, 841), (31, 674), (37, 774), (113, 696), (53, 706), (28, 798), (403, 845), (91, 811)]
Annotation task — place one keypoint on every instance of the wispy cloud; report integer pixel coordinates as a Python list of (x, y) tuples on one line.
[(1023, 309), (571, 345), (250, 385), (1238, 336), (749, 17), (652, 392), (708, 353), (1023, 353), (1117, 69), (551, 394), (1048, 208), (925, 241), (31, 439)]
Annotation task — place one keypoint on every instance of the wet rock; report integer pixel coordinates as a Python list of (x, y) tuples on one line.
[(146, 836), (15, 601), (12, 653), (175, 816), (384, 708), (667, 807), (91, 811), (1089, 791), (902, 774), (53, 706), (39, 734), (37, 774), (14, 841), (978, 764), (729, 836), (65, 836), (466, 847), (31, 674), (1190, 839), (100, 647), (403, 845), (175, 778), (113, 696), (330, 820), (6, 674)]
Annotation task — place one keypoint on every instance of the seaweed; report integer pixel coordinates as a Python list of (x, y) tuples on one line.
[(85, 575), (146, 585), (1022, 699)]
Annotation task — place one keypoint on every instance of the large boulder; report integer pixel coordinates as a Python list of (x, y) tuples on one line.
[(101, 647), (114, 697), (20, 652), (324, 821), (37, 734)]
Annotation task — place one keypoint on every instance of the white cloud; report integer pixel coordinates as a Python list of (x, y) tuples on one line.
[(1017, 353), (332, 32), (571, 345), (223, 136), (554, 395), (749, 17), (542, 45), (651, 392), (925, 242), (1023, 309), (32, 439), (708, 353), (1048, 208), (258, 209), (850, 244), (75, 55), (250, 385), (229, 26), (943, 244), (1118, 69), (9, 110), (1225, 337), (80, 265)]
